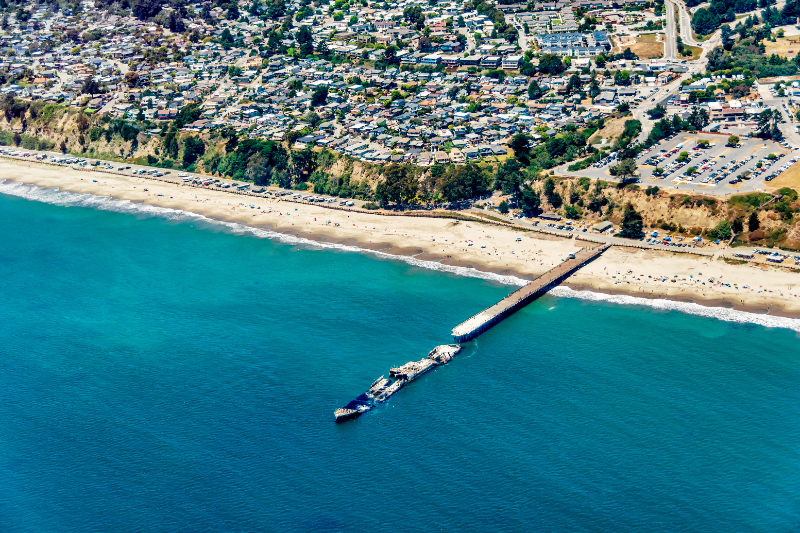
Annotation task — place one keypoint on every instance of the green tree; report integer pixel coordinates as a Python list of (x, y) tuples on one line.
[(572, 212), (170, 142), (320, 96), (705, 21), (622, 77), (722, 231), (509, 176), (520, 144), (683, 156), (302, 164), (699, 118), (193, 148), (753, 222), (574, 84), (305, 40), (657, 112), (733, 140), (625, 169), (632, 224), (550, 192), (463, 182), (503, 207), (188, 114), (530, 202), (551, 64), (258, 169), (399, 185), (90, 87), (534, 91)]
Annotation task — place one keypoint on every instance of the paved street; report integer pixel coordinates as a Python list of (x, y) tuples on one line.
[(670, 45)]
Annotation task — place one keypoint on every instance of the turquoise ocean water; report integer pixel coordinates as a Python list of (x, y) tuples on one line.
[(161, 372)]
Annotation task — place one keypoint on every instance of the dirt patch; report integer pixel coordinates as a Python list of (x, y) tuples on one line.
[(613, 127), (647, 46)]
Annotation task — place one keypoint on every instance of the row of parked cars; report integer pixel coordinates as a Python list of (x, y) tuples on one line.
[(667, 242), (567, 227), (606, 160), (320, 199), (785, 166)]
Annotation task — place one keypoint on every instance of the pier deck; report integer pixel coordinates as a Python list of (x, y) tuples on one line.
[(487, 318)]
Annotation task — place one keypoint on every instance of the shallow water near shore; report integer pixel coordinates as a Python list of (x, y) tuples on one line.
[(161, 372)]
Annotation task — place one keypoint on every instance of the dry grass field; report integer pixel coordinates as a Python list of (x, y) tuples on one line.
[(788, 178), (612, 127), (783, 46), (647, 46)]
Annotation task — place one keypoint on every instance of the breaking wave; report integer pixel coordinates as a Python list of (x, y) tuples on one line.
[(70, 199), (720, 313)]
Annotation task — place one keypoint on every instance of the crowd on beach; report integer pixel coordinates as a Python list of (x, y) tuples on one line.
[(482, 246)]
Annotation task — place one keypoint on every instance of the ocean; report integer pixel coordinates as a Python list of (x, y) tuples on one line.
[(163, 372)]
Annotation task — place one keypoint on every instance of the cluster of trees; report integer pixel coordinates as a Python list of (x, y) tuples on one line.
[(262, 162), (401, 183), (707, 20), (752, 59), (507, 31), (108, 128), (344, 186), (768, 121), (551, 64), (626, 54)]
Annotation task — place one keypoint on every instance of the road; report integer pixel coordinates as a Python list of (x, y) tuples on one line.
[(470, 39), (670, 43), (671, 47), (685, 20), (523, 40)]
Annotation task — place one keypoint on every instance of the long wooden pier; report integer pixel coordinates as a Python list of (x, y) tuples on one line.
[(475, 325)]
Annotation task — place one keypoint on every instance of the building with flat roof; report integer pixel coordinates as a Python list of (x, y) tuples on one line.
[(491, 62), (471, 61), (511, 62)]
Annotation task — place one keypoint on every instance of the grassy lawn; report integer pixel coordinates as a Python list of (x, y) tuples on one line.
[(695, 50)]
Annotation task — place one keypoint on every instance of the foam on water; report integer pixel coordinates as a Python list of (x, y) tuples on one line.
[(720, 313), (70, 199)]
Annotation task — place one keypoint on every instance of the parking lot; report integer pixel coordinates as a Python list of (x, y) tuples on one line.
[(718, 169)]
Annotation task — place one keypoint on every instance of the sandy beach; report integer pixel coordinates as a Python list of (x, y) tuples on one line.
[(644, 273)]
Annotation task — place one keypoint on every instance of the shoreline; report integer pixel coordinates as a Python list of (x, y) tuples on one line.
[(620, 271)]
